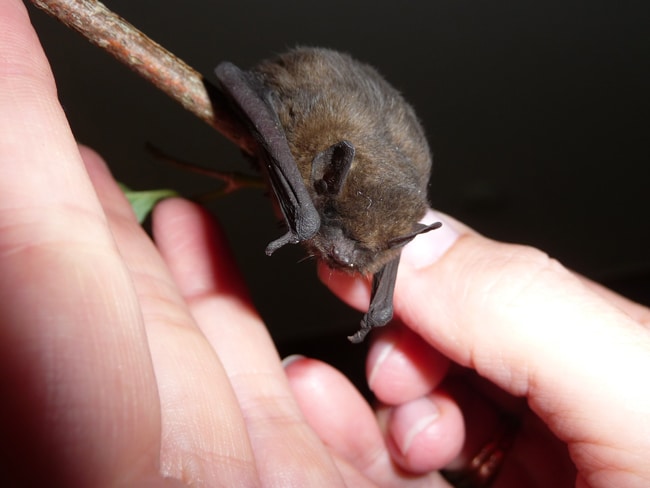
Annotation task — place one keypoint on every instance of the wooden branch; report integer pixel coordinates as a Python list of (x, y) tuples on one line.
[(124, 42)]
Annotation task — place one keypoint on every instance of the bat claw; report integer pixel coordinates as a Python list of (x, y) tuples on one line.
[(369, 322), (359, 335)]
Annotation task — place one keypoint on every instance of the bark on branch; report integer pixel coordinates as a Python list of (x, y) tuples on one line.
[(123, 41)]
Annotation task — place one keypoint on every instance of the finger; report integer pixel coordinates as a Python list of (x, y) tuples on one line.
[(428, 248), (402, 367), (199, 259), (533, 328), (526, 443), (421, 251), (65, 344), (427, 433), (345, 422), (195, 392), (406, 372), (425, 427), (209, 252), (636, 311)]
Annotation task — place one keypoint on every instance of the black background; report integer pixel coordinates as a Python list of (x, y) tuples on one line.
[(537, 114)]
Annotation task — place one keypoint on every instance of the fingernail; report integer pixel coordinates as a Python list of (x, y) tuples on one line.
[(291, 359), (414, 418), (378, 354), (427, 248)]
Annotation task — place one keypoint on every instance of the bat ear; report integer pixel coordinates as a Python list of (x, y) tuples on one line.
[(417, 230), (330, 168)]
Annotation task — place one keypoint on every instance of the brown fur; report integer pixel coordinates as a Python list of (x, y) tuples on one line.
[(323, 97)]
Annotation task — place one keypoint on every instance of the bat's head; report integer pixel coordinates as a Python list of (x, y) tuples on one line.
[(340, 251), (366, 217)]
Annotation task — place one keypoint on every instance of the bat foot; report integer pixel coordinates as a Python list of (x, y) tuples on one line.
[(288, 238)]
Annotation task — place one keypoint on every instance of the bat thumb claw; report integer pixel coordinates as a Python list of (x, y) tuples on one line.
[(273, 246), (374, 318), (360, 335)]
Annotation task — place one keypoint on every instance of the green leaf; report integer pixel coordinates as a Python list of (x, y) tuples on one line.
[(143, 202)]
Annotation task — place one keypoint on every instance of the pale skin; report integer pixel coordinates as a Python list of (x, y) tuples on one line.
[(125, 363)]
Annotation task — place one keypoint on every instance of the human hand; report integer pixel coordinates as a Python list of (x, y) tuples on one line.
[(122, 363), (526, 339)]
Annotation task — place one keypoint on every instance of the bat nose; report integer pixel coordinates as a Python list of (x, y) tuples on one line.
[(342, 257)]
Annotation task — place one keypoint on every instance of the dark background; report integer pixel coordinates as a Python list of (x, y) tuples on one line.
[(537, 114)]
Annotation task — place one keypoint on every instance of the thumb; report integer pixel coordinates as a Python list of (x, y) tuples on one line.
[(526, 323)]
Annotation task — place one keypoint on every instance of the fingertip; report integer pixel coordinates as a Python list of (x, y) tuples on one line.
[(401, 366), (180, 220), (426, 434), (427, 248), (102, 179), (196, 249), (171, 211), (96, 167), (315, 382), (422, 251), (352, 289), (91, 157), (336, 411)]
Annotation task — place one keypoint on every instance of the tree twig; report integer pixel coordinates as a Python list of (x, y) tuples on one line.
[(147, 58)]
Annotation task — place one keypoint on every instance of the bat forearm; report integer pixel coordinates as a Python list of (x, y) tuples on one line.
[(380, 311)]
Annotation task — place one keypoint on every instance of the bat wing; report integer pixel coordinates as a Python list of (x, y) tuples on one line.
[(417, 230), (250, 99), (380, 311), (381, 301)]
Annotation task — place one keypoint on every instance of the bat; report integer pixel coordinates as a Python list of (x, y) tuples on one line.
[(344, 153), (346, 159)]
